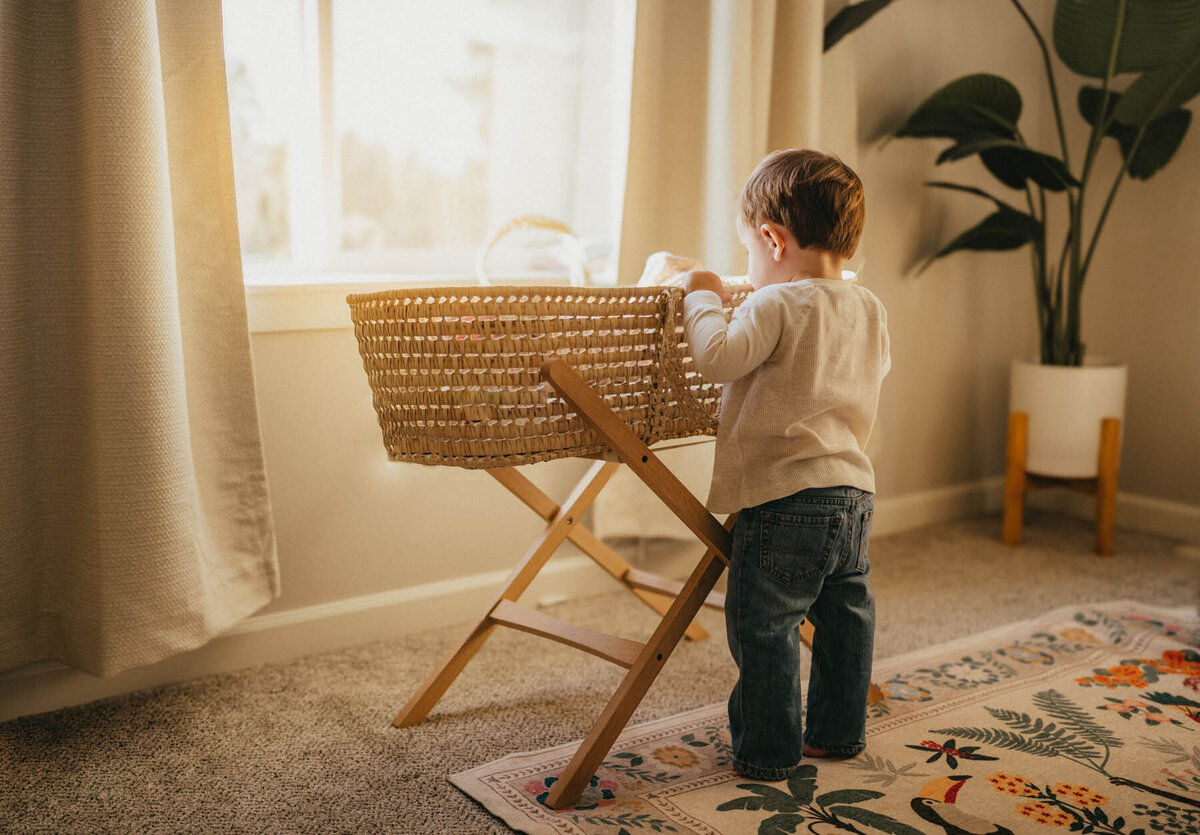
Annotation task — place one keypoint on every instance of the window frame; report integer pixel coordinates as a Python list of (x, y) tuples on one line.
[(299, 294)]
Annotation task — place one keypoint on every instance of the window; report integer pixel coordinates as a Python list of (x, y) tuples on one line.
[(391, 136)]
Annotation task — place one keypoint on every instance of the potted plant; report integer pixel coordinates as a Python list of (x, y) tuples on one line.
[(1065, 392)]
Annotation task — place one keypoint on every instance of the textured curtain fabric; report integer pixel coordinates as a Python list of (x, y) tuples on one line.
[(134, 517), (716, 86)]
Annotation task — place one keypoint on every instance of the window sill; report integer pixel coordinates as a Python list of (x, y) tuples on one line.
[(278, 303)]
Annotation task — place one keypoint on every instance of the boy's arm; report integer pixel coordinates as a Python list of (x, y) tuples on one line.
[(725, 351)]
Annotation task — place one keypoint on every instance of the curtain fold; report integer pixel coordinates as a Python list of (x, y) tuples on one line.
[(134, 517), (716, 86)]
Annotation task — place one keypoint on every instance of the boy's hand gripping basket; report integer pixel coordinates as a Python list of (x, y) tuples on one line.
[(455, 372)]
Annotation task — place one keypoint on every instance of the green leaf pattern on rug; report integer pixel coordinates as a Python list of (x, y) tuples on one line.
[(628, 819), (714, 736), (1114, 627), (1174, 750), (800, 805), (628, 763), (1169, 819), (881, 770)]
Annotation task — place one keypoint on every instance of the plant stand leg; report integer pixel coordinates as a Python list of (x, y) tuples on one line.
[(1014, 477), (1106, 484)]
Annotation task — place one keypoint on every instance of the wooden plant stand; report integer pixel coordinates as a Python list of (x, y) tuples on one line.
[(678, 603), (1017, 482)]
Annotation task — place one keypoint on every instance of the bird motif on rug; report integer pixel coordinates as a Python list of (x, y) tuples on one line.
[(936, 804)]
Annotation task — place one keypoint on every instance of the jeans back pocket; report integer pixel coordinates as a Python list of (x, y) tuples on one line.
[(864, 540), (796, 548)]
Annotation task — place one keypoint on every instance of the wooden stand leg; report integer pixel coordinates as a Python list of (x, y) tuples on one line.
[(1014, 477), (1106, 484), (638, 457), (641, 675), (588, 542), (451, 665)]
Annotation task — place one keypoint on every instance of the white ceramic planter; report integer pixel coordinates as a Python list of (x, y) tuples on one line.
[(1065, 405)]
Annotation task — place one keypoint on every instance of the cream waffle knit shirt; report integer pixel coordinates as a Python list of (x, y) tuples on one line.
[(801, 364)]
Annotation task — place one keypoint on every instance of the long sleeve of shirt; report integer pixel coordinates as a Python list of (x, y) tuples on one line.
[(801, 365), (725, 351)]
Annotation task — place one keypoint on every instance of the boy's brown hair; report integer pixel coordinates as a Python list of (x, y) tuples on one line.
[(816, 196)]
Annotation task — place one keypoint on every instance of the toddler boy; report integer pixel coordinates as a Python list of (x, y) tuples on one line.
[(801, 360)]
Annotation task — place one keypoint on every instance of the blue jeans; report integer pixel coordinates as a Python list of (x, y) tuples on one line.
[(802, 556)]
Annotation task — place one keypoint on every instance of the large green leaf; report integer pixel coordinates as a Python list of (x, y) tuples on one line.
[(1153, 33), (971, 106), (1162, 89), (850, 18), (803, 784), (1001, 230), (1013, 162), (774, 800), (1162, 139)]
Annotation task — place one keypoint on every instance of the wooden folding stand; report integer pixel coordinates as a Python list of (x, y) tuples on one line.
[(642, 660)]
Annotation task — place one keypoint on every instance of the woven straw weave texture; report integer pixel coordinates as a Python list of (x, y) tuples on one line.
[(455, 373)]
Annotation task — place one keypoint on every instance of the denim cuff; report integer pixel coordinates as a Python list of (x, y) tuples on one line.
[(756, 772), (840, 750)]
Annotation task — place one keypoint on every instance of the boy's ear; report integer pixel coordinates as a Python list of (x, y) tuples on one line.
[(773, 234)]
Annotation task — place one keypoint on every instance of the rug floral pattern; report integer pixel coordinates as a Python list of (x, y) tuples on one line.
[(1084, 720)]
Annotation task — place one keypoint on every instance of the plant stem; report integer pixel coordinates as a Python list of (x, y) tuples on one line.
[(1038, 255), (1062, 134)]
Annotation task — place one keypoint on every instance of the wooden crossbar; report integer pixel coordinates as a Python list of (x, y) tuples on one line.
[(590, 544), (652, 582), (620, 651)]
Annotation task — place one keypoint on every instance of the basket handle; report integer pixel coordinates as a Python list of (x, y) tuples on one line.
[(577, 264)]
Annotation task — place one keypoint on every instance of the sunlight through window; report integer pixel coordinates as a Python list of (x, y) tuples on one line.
[(390, 136)]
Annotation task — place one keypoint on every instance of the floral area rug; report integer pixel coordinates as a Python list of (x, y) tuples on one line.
[(1084, 720)]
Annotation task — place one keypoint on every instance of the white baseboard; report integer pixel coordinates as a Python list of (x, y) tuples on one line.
[(1174, 520), (895, 514), (279, 636)]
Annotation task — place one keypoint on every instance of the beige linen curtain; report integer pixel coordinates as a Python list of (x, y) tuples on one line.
[(715, 87), (134, 517)]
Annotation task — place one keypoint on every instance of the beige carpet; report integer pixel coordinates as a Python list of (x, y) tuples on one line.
[(307, 746)]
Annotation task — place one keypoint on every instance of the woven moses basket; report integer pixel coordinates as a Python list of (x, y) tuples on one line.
[(455, 372)]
